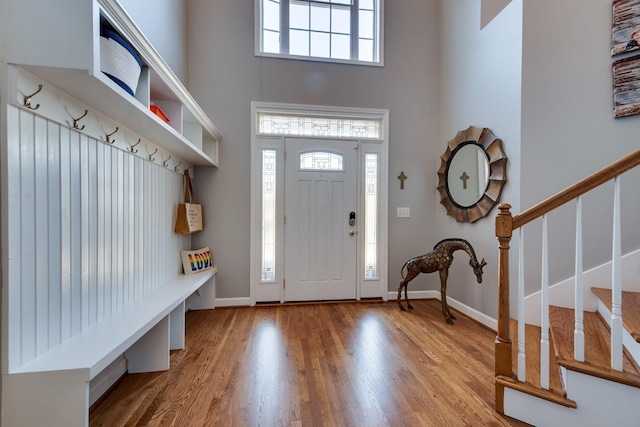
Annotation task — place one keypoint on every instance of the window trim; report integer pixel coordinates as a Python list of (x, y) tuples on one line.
[(258, 34)]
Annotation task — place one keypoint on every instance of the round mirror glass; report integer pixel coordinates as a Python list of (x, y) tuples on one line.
[(467, 174)]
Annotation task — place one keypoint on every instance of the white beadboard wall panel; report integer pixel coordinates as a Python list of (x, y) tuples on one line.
[(65, 236), (41, 201), (90, 231), (54, 233), (100, 236), (28, 237), (76, 236), (14, 242)]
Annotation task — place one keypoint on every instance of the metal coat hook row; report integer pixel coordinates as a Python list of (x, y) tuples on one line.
[(165, 162), (132, 147), (175, 168), (75, 121), (109, 135), (151, 158), (27, 99)]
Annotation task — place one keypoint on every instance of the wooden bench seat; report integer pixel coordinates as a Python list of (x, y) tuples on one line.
[(53, 388)]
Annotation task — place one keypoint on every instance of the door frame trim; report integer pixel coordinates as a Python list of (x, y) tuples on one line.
[(365, 288)]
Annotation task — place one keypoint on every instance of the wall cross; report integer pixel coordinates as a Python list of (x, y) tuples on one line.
[(402, 177)]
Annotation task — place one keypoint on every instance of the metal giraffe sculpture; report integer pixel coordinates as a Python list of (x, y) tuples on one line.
[(439, 259)]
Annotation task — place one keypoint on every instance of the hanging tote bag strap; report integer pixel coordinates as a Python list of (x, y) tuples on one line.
[(188, 190)]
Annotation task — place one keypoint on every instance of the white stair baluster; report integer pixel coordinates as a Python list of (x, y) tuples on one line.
[(578, 333), (616, 283), (522, 375), (544, 328)]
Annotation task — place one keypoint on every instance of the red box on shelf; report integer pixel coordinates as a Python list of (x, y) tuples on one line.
[(158, 112)]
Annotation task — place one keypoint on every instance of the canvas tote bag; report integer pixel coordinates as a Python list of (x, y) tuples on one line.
[(189, 213)]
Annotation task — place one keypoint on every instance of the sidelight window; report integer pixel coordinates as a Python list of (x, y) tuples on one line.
[(371, 217), (268, 215)]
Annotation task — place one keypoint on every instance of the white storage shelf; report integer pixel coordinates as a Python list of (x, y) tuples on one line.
[(72, 63)]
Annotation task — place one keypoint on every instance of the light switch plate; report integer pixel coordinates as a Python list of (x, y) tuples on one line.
[(404, 212)]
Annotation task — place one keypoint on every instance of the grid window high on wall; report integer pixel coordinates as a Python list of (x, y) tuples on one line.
[(326, 30)]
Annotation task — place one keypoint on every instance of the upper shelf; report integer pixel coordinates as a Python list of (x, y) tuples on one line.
[(61, 43)]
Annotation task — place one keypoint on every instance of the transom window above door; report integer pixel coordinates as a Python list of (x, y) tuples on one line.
[(325, 30), (301, 125)]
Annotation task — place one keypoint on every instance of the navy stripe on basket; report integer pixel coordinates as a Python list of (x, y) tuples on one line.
[(111, 34), (120, 83)]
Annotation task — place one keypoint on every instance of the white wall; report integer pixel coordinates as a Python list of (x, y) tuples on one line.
[(480, 86), (568, 129), (164, 23), (225, 77), (533, 74)]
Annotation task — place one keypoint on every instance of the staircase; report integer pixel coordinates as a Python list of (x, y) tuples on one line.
[(578, 365)]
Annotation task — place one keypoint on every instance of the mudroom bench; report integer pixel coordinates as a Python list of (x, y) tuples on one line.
[(55, 385)]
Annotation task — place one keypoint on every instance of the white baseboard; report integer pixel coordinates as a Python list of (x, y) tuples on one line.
[(476, 315), (233, 302), (462, 308), (415, 295)]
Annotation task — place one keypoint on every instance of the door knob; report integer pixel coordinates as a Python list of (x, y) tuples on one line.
[(352, 233)]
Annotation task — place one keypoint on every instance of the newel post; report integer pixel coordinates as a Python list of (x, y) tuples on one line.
[(503, 361)]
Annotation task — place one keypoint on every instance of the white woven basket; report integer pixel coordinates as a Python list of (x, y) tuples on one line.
[(117, 62)]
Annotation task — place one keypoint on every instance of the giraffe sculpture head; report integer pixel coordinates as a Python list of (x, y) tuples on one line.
[(477, 268)]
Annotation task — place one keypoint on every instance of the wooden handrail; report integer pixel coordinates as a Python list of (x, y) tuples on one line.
[(604, 175)]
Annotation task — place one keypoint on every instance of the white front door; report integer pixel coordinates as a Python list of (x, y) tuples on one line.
[(321, 220)]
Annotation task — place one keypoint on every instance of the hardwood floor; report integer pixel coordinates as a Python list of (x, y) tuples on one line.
[(332, 364)]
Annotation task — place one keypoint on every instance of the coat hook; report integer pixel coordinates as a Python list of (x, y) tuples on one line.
[(131, 148), (27, 99), (75, 121), (175, 168), (165, 162), (109, 140), (151, 158)]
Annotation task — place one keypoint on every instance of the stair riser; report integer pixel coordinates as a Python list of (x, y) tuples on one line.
[(600, 402), (632, 346), (535, 411)]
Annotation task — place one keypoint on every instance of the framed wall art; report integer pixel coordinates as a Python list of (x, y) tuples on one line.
[(625, 31), (626, 86)]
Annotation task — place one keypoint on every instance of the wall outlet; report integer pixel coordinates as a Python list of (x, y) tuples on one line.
[(404, 212)]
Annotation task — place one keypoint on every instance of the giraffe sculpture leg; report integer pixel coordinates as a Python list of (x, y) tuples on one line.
[(444, 273), (410, 275)]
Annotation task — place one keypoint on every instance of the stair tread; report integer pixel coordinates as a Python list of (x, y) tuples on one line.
[(630, 309), (532, 360), (597, 347)]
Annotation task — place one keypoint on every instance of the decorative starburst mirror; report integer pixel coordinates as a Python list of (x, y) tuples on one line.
[(472, 174)]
